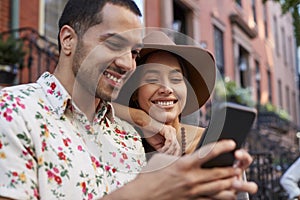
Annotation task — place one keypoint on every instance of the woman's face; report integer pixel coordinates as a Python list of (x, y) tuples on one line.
[(162, 92)]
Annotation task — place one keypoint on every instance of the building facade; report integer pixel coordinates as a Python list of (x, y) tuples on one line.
[(253, 45)]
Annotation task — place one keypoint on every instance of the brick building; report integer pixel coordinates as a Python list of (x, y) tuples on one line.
[(253, 44)]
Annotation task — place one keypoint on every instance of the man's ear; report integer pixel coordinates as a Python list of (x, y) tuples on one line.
[(68, 39)]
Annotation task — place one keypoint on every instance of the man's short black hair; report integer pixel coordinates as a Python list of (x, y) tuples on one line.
[(83, 14)]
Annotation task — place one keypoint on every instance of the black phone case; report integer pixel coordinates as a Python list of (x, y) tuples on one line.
[(228, 121)]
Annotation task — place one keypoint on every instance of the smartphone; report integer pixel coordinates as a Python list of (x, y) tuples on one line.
[(228, 121)]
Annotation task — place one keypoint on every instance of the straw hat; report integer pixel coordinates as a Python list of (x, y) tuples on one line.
[(199, 65)]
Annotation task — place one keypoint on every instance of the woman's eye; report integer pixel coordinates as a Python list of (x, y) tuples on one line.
[(152, 80), (177, 79)]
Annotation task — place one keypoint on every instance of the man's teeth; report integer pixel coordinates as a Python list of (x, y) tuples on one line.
[(111, 77), (164, 103)]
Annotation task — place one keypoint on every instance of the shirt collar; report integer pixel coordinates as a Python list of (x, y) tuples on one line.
[(55, 93), (59, 98), (105, 109)]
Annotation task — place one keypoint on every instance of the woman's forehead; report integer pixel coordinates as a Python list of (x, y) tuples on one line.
[(159, 68), (162, 60)]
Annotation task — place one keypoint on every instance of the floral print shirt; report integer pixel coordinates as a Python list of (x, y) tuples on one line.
[(49, 149)]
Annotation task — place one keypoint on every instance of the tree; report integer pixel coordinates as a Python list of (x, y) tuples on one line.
[(292, 6)]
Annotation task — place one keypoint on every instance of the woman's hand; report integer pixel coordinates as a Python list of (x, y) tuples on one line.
[(160, 136), (165, 141)]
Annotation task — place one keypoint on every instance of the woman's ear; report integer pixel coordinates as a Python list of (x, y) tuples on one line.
[(68, 39)]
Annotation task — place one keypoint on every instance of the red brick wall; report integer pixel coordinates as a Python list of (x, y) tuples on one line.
[(4, 15), (29, 14), (152, 13)]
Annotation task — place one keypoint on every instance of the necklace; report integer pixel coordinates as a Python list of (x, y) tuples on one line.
[(183, 140)]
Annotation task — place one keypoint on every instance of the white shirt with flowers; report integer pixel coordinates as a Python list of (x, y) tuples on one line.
[(49, 150)]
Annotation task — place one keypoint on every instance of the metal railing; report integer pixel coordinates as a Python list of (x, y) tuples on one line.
[(267, 176), (41, 54)]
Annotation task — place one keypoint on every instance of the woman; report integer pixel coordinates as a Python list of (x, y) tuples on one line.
[(170, 81), (161, 86)]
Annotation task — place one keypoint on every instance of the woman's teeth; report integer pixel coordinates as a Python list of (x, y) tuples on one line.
[(164, 103)]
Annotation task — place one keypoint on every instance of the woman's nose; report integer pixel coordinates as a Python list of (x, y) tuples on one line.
[(165, 89)]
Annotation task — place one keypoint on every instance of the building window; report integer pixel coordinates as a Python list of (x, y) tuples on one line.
[(179, 21), (265, 21), (254, 11), (280, 93), (288, 99), (292, 51), (269, 77), (283, 45), (53, 10), (257, 79), (294, 106), (276, 35), (243, 66), (140, 5), (219, 49)]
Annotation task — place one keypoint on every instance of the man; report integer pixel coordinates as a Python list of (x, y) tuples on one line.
[(59, 138), (290, 180)]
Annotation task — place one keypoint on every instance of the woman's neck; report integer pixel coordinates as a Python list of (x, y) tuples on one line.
[(175, 123)]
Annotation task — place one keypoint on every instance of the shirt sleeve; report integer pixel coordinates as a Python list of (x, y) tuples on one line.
[(289, 180), (18, 166)]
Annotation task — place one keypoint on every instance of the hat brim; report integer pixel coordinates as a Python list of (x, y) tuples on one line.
[(201, 69)]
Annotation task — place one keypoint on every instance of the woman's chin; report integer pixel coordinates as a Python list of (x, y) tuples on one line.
[(163, 118)]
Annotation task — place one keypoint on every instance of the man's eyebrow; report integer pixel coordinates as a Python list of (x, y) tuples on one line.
[(119, 37)]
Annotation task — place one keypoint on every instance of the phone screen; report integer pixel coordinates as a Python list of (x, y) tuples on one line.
[(228, 121)]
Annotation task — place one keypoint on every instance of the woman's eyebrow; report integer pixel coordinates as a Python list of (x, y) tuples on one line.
[(153, 71), (176, 71)]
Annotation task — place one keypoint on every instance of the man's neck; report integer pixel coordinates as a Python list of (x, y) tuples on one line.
[(86, 102)]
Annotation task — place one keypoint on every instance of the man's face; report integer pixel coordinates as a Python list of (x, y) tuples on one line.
[(105, 55)]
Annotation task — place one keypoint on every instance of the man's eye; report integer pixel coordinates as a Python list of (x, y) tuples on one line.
[(135, 54), (113, 45)]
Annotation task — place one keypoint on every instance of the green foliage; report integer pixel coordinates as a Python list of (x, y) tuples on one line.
[(11, 50), (229, 91), (268, 107)]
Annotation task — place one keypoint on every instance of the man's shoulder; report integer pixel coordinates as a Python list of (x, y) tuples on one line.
[(16, 89), (21, 92)]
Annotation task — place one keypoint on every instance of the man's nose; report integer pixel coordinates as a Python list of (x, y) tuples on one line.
[(126, 62)]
